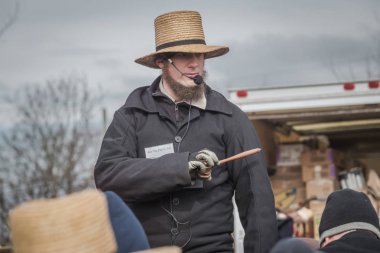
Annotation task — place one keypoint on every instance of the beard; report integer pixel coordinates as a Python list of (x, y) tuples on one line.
[(181, 91)]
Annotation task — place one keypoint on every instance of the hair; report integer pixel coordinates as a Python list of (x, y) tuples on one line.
[(164, 56)]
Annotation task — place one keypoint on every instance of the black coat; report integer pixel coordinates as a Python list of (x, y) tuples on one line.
[(155, 189), (354, 242)]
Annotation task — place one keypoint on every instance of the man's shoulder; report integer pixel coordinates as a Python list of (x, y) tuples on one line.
[(218, 102), (143, 95), (138, 97)]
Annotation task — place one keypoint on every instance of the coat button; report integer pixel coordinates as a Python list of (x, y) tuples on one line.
[(176, 201), (174, 231), (178, 138)]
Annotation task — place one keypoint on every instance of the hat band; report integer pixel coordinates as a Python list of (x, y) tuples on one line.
[(349, 226), (180, 43)]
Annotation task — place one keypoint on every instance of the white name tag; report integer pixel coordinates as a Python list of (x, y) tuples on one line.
[(157, 151)]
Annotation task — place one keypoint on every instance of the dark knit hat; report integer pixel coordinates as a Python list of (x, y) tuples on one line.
[(347, 210)]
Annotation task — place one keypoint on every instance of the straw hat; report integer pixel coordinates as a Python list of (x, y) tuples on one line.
[(180, 31), (76, 223)]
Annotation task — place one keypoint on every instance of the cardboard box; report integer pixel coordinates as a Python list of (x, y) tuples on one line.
[(317, 207), (319, 188), (289, 154), (317, 156), (284, 184), (288, 172), (328, 170)]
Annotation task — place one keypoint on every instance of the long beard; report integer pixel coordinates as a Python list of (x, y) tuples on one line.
[(183, 92)]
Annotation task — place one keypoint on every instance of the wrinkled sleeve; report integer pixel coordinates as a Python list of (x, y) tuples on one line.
[(119, 169), (253, 192)]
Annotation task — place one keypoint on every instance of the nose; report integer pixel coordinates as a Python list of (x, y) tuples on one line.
[(195, 60)]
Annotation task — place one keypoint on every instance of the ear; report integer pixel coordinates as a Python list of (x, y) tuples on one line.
[(326, 241), (160, 63)]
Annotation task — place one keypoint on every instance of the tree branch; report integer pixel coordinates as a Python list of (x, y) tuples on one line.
[(12, 19)]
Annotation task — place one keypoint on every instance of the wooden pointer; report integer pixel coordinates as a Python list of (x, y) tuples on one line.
[(240, 155)]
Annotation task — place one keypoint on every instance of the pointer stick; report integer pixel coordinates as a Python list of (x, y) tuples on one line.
[(240, 155)]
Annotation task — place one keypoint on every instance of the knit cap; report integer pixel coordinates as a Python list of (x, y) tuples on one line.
[(348, 210)]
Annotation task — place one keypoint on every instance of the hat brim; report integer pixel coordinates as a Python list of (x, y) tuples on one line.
[(209, 51)]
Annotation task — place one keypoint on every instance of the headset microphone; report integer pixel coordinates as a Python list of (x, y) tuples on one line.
[(198, 79)]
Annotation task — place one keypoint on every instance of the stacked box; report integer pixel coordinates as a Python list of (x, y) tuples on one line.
[(288, 188), (328, 170), (323, 158), (287, 183), (288, 172), (322, 186), (317, 156), (319, 188), (289, 154)]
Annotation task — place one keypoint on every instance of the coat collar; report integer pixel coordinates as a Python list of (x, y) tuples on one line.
[(144, 98)]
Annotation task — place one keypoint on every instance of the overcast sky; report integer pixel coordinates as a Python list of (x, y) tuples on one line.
[(272, 42)]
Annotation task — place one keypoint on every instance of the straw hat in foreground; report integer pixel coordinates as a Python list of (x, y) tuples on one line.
[(180, 31), (76, 223)]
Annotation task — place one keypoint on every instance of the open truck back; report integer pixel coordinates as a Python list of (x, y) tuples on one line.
[(294, 122), (348, 114)]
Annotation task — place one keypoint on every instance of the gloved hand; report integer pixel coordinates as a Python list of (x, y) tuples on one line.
[(201, 163)]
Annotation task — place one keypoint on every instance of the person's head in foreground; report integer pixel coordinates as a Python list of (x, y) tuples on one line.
[(349, 224), (75, 223), (347, 211), (87, 221)]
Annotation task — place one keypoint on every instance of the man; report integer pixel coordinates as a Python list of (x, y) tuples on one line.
[(160, 153), (349, 224)]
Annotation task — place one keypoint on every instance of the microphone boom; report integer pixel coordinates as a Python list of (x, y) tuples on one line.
[(198, 79)]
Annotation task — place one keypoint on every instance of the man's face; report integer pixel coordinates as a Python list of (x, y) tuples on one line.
[(190, 65)]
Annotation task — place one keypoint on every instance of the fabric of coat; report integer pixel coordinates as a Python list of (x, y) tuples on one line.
[(199, 220), (359, 241)]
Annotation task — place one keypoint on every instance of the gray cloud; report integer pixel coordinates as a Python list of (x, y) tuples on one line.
[(276, 59), (275, 42)]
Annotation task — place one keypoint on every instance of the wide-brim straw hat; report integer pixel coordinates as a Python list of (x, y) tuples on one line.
[(75, 223), (180, 31)]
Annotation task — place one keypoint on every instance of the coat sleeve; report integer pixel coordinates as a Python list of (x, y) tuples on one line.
[(253, 192), (119, 169)]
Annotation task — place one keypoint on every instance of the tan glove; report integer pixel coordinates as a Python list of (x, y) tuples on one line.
[(202, 162)]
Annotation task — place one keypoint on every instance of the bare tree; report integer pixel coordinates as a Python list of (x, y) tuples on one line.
[(49, 151), (11, 19)]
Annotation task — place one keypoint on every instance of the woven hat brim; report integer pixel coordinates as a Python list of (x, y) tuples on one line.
[(208, 50)]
